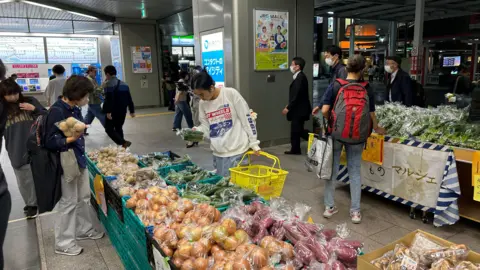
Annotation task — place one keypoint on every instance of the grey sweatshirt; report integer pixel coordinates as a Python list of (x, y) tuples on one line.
[(17, 131)]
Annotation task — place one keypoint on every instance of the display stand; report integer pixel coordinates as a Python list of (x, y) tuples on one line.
[(467, 206)]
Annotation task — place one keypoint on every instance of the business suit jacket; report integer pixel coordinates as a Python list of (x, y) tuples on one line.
[(299, 107), (400, 90)]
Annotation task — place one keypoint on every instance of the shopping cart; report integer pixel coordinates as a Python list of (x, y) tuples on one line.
[(266, 181)]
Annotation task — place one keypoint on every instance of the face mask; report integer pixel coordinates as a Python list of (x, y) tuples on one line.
[(292, 69), (83, 102), (388, 69), (329, 61)]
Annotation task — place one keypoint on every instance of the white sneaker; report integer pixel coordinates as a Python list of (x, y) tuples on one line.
[(356, 217), (72, 251), (330, 211), (92, 236)]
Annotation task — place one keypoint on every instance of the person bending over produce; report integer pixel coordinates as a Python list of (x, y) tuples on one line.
[(224, 118), (22, 113), (76, 220)]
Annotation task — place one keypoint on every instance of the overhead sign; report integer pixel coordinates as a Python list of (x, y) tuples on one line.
[(183, 41), (22, 50), (72, 50), (212, 57)]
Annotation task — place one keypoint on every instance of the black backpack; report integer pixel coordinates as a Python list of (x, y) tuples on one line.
[(45, 164), (418, 94)]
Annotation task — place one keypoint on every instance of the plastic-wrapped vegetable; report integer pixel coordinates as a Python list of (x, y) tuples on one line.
[(455, 253), (382, 262), (71, 127), (303, 253), (191, 135)]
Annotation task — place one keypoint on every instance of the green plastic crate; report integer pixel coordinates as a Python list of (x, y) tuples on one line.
[(133, 224), (163, 172)]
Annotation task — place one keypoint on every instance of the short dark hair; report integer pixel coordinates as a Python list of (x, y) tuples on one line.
[(202, 81), (396, 59), (110, 70), (77, 87), (279, 26), (58, 69), (3, 70), (9, 87), (14, 75), (299, 62), (334, 49), (355, 63)]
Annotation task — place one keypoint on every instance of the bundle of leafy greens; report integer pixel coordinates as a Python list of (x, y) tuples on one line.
[(444, 125)]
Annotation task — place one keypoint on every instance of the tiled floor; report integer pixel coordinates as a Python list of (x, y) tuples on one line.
[(384, 221)]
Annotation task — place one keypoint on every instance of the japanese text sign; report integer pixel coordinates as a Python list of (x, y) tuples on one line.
[(212, 57)]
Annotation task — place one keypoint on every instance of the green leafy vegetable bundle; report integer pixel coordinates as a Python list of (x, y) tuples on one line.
[(191, 135), (159, 159), (444, 125), (190, 174)]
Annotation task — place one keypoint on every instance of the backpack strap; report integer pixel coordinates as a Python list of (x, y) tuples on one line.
[(342, 82)]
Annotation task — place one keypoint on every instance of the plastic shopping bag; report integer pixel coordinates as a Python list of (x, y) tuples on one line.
[(320, 157), (69, 165)]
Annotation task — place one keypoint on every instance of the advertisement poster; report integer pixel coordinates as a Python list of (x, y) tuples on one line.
[(116, 56), (271, 40), (212, 57), (142, 59)]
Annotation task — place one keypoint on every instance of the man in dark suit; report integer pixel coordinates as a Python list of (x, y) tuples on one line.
[(399, 84), (299, 108)]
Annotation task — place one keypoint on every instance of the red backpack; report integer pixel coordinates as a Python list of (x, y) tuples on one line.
[(350, 120)]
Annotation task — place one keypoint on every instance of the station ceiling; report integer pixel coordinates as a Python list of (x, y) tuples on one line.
[(395, 10)]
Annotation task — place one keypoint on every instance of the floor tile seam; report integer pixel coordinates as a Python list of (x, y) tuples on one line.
[(41, 244)]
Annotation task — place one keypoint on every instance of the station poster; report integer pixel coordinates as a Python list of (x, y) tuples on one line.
[(142, 59), (271, 40), (212, 56)]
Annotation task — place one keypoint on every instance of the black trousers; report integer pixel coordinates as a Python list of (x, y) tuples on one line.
[(114, 127), (297, 132), (5, 208)]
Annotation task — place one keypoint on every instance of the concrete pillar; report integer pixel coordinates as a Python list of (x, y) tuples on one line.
[(417, 51), (392, 40), (351, 51), (266, 92), (338, 31)]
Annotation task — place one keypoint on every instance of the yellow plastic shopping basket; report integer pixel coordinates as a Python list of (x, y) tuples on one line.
[(266, 181)]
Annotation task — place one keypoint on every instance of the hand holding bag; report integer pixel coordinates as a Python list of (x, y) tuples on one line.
[(320, 155), (69, 165)]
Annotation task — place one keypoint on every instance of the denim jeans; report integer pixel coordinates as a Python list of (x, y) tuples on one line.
[(95, 110), (223, 164), (354, 162), (182, 109)]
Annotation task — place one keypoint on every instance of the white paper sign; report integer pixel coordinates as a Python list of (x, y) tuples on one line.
[(412, 173)]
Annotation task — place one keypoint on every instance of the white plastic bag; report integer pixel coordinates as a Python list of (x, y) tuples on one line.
[(320, 157)]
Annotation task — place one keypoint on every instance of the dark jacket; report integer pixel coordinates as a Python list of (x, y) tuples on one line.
[(117, 100), (338, 72), (299, 107), (56, 140), (400, 90), (3, 120), (17, 131)]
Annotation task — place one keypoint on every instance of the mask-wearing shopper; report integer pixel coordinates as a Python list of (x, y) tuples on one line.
[(21, 114), (76, 219), (353, 143), (298, 108), (117, 100), (5, 198), (399, 84), (96, 97), (55, 86), (333, 59), (224, 119)]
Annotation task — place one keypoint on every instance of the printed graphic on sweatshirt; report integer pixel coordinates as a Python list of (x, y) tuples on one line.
[(252, 124), (220, 121)]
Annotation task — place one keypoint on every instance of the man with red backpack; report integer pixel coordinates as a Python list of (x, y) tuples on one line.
[(350, 107)]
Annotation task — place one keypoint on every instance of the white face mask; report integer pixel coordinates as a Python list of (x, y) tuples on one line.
[(388, 69), (292, 69), (83, 102), (329, 61)]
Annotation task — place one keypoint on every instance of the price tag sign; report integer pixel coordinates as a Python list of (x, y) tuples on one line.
[(476, 187), (475, 166), (374, 149)]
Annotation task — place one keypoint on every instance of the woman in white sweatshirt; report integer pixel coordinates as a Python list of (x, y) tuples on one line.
[(225, 119)]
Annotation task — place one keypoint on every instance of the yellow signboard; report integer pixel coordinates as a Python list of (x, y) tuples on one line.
[(475, 166), (476, 187), (374, 149)]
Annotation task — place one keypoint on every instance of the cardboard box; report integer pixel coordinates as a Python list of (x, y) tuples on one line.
[(363, 262)]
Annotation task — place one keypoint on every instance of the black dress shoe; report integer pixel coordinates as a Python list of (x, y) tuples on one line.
[(293, 153)]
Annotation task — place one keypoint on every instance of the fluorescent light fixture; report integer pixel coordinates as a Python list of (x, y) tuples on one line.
[(330, 12), (81, 14), (41, 5), (44, 35), (5, 1)]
